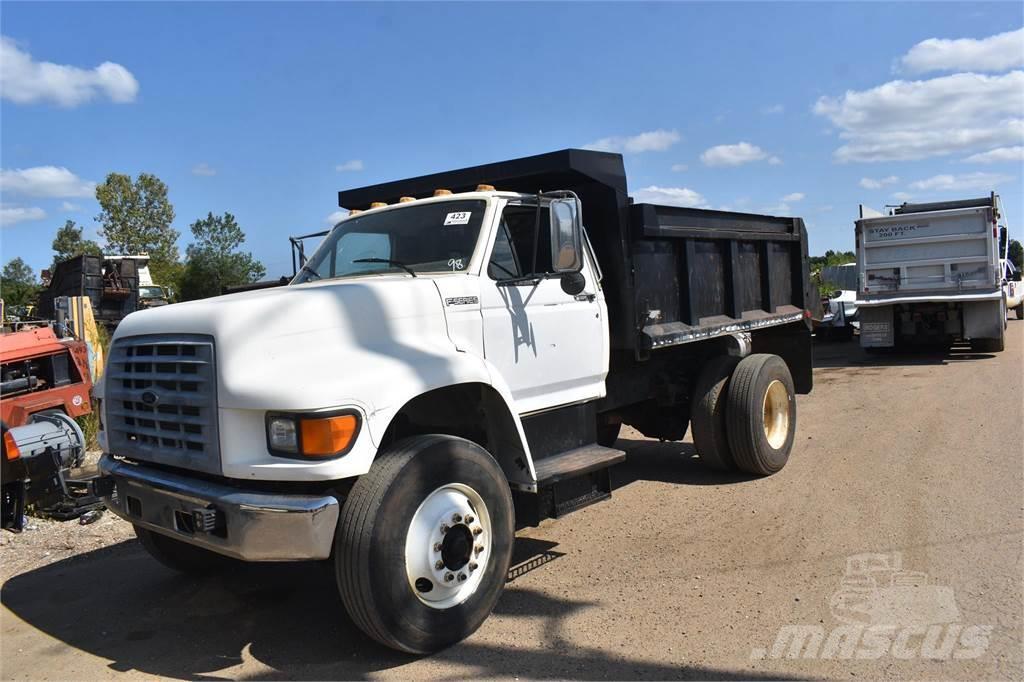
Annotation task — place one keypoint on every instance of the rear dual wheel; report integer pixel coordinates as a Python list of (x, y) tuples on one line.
[(744, 414)]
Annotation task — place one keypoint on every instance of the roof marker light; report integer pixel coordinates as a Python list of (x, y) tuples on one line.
[(378, 204), (442, 192), (406, 200), (485, 188), (355, 211)]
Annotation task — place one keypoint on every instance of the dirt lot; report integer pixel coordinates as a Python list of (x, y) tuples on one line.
[(902, 509)]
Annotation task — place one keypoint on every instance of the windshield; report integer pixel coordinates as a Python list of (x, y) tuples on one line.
[(434, 237), (151, 292)]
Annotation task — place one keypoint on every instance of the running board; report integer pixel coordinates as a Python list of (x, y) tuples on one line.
[(567, 482)]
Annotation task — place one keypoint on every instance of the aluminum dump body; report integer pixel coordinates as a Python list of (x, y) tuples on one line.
[(929, 252)]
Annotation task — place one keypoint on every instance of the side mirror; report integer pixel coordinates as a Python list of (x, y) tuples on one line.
[(566, 230)]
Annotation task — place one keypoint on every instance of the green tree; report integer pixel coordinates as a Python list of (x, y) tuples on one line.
[(832, 258), (69, 243), (18, 284), (1016, 255), (135, 217), (213, 261)]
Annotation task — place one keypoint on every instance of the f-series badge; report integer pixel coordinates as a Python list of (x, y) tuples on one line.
[(462, 300)]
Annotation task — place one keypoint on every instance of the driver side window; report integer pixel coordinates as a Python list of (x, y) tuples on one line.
[(513, 251)]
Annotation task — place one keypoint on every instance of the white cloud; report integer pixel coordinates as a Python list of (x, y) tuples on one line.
[(11, 215), (781, 208), (679, 167), (902, 196), (736, 155), (965, 181), (773, 109), (872, 183), (774, 161), (908, 120), (26, 81), (45, 181), (203, 169), (1000, 155), (650, 141), (670, 196), (68, 206), (336, 217), (350, 166), (795, 196), (995, 53)]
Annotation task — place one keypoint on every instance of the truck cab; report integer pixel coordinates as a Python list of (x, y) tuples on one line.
[(454, 361)]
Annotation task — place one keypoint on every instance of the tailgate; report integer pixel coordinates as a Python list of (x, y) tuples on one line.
[(920, 252)]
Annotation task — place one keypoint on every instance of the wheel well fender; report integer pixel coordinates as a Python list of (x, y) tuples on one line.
[(473, 410)]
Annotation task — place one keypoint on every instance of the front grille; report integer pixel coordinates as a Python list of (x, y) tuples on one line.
[(161, 401)]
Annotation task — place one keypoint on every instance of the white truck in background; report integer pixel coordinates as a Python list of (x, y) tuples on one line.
[(931, 274), (1013, 286)]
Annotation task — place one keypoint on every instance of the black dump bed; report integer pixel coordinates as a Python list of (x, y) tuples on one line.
[(671, 275), (111, 285)]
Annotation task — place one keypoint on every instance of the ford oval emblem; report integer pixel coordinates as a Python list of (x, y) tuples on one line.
[(150, 398)]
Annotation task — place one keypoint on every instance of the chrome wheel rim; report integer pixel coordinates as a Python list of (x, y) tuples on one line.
[(448, 546), (775, 414)]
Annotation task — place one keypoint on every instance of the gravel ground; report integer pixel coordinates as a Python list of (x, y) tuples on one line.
[(908, 471)]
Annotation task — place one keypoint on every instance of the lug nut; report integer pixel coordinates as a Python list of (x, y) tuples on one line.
[(439, 565), (478, 549), (462, 576), (473, 566), (469, 518), (456, 518), (444, 527), (448, 577), (437, 546), (478, 530)]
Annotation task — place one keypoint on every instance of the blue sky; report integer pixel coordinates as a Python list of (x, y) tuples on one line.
[(267, 110)]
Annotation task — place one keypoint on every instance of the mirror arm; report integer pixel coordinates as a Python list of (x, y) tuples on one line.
[(536, 233)]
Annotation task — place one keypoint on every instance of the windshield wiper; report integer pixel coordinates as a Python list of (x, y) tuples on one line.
[(306, 268), (388, 261)]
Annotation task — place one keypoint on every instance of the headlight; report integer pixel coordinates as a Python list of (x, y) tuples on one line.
[(314, 435), (282, 434)]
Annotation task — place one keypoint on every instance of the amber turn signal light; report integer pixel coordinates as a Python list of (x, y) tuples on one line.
[(328, 436), (11, 451)]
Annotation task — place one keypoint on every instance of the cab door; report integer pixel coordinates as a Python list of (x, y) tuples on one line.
[(550, 347)]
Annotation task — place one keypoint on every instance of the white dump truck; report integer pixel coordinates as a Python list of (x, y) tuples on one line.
[(930, 274), (454, 361)]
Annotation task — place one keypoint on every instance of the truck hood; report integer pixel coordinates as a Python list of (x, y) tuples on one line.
[(308, 346)]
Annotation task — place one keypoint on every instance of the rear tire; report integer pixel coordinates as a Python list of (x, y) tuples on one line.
[(1020, 310), (761, 414), (392, 577), (181, 556), (707, 422)]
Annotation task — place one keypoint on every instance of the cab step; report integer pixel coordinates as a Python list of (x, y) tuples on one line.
[(576, 462), (568, 481)]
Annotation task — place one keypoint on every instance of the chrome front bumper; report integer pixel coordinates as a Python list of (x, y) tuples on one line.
[(244, 524)]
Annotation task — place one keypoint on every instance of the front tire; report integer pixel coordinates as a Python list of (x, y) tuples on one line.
[(761, 414), (424, 543)]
